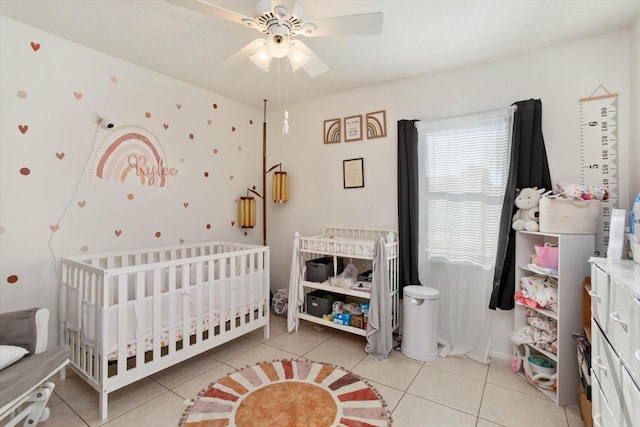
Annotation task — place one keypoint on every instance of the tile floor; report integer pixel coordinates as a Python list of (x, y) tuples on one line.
[(446, 392)]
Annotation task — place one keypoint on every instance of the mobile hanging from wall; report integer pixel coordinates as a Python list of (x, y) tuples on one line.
[(599, 154)]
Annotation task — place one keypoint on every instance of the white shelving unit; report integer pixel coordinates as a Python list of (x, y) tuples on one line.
[(355, 244), (574, 251)]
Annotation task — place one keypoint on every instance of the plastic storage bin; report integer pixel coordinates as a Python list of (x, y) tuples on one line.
[(420, 323)]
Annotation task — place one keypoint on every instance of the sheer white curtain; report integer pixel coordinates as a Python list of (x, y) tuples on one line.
[(463, 172)]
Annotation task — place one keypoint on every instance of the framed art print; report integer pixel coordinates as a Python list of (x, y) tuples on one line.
[(332, 131), (376, 124), (353, 128), (353, 173)]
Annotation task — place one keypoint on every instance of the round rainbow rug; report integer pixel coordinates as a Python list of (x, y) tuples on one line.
[(288, 393)]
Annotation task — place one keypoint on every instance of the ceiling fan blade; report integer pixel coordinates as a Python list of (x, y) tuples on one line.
[(311, 63), (289, 5), (217, 11), (363, 24)]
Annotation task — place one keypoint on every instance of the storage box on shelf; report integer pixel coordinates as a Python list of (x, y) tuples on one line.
[(615, 356), (574, 251)]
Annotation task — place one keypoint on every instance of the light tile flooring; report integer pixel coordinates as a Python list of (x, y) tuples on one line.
[(446, 392)]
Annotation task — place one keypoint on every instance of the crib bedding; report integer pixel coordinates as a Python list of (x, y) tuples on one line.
[(147, 341), (242, 292)]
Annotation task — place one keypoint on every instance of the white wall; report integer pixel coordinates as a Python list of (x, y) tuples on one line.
[(49, 96), (634, 175), (558, 75)]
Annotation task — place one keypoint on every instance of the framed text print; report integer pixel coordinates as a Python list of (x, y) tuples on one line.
[(353, 128), (353, 173)]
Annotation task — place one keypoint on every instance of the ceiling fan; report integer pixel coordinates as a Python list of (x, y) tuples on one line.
[(281, 21)]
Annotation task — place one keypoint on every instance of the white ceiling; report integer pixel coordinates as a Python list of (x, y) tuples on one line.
[(418, 36)]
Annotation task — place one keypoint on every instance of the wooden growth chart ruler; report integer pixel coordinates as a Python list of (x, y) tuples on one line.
[(599, 155)]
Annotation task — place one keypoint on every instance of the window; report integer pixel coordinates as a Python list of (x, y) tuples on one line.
[(464, 165)]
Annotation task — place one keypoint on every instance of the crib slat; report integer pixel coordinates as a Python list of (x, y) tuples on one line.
[(122, 322)]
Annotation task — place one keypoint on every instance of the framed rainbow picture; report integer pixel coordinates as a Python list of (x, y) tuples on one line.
[(332, 130), (376, 124)]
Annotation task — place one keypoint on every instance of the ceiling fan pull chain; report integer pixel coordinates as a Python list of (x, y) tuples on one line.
[(285, 125)]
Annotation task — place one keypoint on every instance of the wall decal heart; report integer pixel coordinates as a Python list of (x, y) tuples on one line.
[(54, 228), (35, 46), (165, 125), (182, 241), (246, 234), (185, 204), (82, 203), (178, 106), (118, 232), (233, 223), (78, 95), (230, 176), (208, 122), (60, 156), (233, 128), (23, 128), (250, 122)]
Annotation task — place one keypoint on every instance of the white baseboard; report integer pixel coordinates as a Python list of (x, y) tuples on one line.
[(501, 356)]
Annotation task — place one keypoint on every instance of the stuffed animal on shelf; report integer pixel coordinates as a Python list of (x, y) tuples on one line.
[(526, 217)]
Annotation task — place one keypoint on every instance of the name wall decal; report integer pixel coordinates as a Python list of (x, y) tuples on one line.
[(132, 153)]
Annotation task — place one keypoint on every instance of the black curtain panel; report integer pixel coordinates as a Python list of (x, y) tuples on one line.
[(408, 202), (528, 168)]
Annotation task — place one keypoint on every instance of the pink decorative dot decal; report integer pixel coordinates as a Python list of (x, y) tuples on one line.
[(12, 279), (147, 115), (206, 174), (25, 171), (130, 196), (250, 122), (208, 226), (215, 151), (246, 234), (158, 234), (215, 106), (114, 79), (191, 136), (22, 94), (84, 248)]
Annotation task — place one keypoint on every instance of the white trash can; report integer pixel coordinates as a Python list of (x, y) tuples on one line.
[(420, 323)]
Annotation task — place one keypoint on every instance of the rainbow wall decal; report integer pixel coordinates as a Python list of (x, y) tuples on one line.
[(131, 153)]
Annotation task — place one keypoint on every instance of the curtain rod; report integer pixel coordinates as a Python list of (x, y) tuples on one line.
[(513, 108)]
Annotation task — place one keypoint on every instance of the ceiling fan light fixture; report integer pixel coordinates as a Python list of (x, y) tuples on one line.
[(262, 58), (297, 57), (278, 45)]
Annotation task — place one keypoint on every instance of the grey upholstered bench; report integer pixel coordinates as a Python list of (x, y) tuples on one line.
[(24, 390)]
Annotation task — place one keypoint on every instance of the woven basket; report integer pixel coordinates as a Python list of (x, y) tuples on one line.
[(569, 216)]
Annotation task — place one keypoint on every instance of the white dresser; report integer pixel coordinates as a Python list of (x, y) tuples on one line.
[(615, 346)]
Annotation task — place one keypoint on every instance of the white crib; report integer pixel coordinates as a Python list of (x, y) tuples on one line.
[(130, 314)]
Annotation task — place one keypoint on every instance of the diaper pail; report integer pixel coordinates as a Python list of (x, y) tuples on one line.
[(420, 323)]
